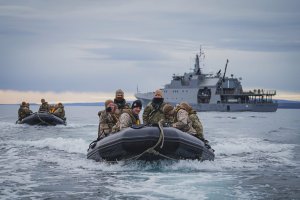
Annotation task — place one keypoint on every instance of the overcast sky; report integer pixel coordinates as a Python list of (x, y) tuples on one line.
[(91, 48)]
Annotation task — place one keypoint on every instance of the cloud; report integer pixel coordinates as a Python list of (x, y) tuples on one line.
[(98, 46)]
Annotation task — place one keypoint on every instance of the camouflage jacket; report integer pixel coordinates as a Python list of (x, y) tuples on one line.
[(44, 107), (183, 122), (152, 115), (60, 112), (107, 121), (23, 112), (127, 119), (196, 124)]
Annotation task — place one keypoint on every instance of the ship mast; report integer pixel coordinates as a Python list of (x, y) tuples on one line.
[(197, 68)]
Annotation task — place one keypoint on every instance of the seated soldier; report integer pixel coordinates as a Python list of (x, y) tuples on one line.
[(130, 117), (120, 102), (182, 120), (44, 107), (107, 119), (59, 111), (196, 123), (27, 110), (22, 111), (153, 112)]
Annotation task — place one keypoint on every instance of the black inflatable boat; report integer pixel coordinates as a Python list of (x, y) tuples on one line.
[(42, 118), (149, 144)]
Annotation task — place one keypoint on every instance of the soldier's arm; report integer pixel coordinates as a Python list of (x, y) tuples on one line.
[(104, 128), (146, 114)]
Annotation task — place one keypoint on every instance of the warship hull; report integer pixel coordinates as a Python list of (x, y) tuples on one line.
[(229, 107)]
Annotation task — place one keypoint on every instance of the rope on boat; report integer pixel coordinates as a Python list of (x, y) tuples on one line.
[(42, 120), (152, 150)]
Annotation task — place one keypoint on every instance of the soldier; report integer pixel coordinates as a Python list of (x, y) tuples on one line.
[(107, 119), (182, 120), (59, 111), (44, 107), (153, 112), (168, 111), (130, 117), (22, 111), (27, 110), (120, 102), (196, 124)]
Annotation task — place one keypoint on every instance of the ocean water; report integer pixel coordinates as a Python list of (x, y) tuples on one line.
[(257, 157)]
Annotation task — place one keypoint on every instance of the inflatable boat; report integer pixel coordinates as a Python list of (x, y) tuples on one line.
[(149, 144), (42, 118)]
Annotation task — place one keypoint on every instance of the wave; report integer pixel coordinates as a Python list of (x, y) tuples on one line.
[(252, 153), (69, 145)]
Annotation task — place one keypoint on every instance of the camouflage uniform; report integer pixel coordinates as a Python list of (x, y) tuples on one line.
[(153, 113), (196, 124), (168, 111), (182, 121), (107, 121), (60, 111), (22, 111), (44, 107), (120, 102), (127, 119)]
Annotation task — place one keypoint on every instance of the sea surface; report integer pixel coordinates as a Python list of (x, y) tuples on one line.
[(257, 157)]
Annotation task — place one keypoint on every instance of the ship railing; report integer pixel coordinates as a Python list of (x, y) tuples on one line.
[(261, 92), (250, 92)]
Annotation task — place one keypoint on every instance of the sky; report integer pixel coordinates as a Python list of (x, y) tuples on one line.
[(83, 51)]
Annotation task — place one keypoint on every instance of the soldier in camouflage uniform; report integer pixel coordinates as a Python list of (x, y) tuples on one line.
[(196, 123), (59, 111), (107, 119), (168, 111), (153, 112), (120, 102), (44, 107), (22, 111), (182, 120), (130, 117), (28, 111)]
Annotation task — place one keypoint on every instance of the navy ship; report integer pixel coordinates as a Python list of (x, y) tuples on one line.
[(213, 92)]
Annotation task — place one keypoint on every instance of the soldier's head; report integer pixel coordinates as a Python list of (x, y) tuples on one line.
[(23, 103), (119, 94), (111, 107), (185, 106), (158, 94), (43, 101), (108, 102), (60, 105), (158, 97), (168, 111), (136, 107)]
